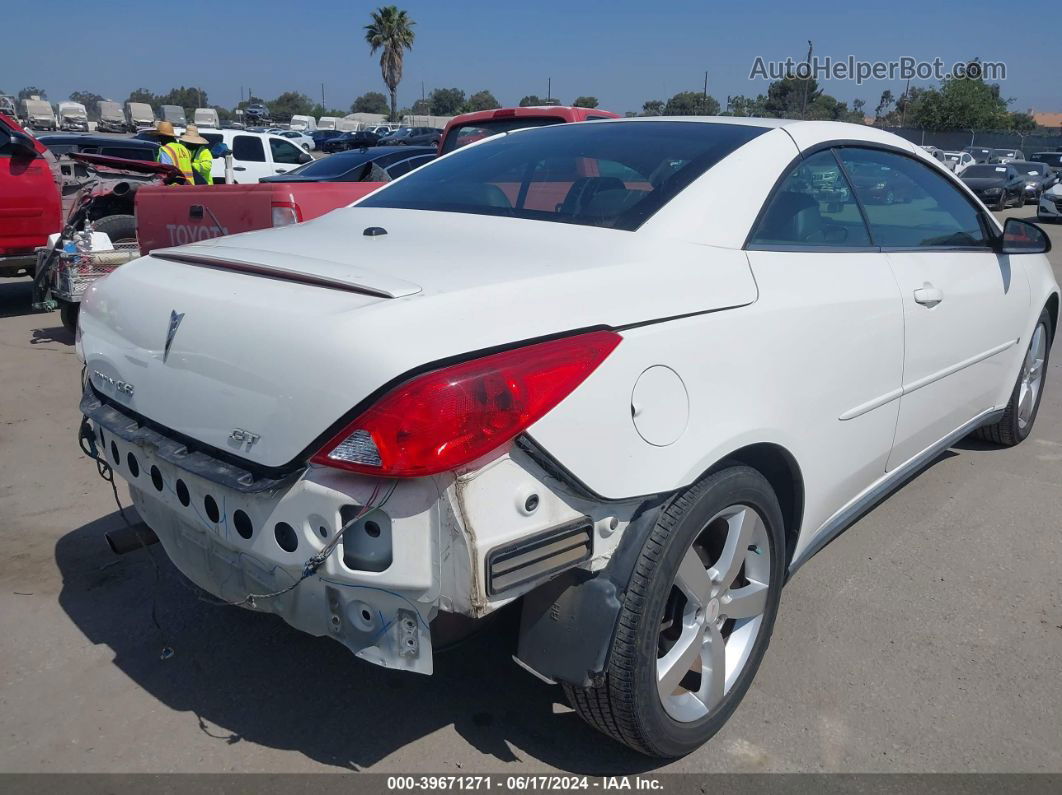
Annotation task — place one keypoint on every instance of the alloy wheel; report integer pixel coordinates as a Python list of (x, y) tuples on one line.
[(1032, 376), (714, 613)]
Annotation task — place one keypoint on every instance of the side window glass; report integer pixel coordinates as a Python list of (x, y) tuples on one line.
[(813, 206), (284, 152), (247, 147), (908, 205), (398, 169)]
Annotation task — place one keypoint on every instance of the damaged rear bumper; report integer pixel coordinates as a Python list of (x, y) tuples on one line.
[(375, 595)]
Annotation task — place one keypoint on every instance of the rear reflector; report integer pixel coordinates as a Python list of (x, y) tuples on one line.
[(540, 556)]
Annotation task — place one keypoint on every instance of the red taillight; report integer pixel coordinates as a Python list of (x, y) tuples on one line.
[(447, 418)]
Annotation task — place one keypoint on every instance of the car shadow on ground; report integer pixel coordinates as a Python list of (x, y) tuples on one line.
[(16, 297), (249, 677), (46, 336)]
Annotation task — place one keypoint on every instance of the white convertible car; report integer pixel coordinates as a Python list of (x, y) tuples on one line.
[(631, 374)]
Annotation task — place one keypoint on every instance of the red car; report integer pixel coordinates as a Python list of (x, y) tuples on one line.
[(468, 127), (30, 202)]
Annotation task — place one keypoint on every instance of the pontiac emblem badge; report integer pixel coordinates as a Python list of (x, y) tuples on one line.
[(175, 322)]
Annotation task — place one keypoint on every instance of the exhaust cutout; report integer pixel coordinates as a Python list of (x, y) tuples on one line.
[(130, 538)]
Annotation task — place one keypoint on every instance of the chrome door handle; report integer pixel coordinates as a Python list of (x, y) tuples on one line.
[(928, 295)]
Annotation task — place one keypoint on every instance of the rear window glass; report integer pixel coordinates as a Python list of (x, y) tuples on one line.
[(464, 134), (613, 175), (332, 167), (128, 152)]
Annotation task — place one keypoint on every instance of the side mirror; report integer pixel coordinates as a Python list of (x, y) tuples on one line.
[(22, 141), (305, 157), (1022, 237)]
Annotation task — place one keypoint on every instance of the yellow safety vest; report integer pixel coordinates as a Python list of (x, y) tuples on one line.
[(181, 158), (203, 163)]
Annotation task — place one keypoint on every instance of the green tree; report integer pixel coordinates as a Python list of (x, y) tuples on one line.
[(391, 31), (30, 91), (961, 104), (531, 99), (142, 95), (691, 103), (1022, 124), (741, 105), (370, 102), (481, 100), (585, 102), (786, 98), (446, 101), (289, 104), (653, 107), (884, 104)]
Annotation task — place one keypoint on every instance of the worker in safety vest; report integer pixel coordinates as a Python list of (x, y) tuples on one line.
[(173, 152), (202, 158)]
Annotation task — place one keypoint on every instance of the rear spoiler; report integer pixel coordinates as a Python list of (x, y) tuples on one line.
[(355, 281)]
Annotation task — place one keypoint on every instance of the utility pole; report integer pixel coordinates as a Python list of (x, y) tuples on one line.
[(807, 79), (322, 95), (549, 89), (903, 111), (704, 100)]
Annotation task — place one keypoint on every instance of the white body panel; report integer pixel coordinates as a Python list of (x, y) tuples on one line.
[(823, 355)]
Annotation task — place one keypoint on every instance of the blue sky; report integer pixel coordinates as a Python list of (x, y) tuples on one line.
[(622, 51)]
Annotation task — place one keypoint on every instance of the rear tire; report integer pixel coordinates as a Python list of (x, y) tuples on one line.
[(659, 695), (68, 312), (120, 228), (1017, 421)]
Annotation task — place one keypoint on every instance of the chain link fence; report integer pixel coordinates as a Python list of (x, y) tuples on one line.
[(956, 139)]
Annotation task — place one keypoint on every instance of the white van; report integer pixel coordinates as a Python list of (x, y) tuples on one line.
[(307, 123), (206, 117), (140, 114), (327, 122)]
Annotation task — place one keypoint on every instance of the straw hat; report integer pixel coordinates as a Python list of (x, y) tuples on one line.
[(192, 136), (163, 128)]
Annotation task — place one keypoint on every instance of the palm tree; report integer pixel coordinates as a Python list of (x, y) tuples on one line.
[(391, 31)]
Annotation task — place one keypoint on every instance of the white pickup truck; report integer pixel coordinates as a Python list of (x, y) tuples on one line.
[(255, 155)]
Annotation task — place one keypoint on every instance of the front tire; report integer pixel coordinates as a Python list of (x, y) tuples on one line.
[(1017, 421), (696, 618)]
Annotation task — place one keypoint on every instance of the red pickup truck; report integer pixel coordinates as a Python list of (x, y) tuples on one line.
[(174, 216), (30, 200)]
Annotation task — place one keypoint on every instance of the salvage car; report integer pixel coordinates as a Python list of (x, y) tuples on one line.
[(379, 164), (568, 367), (997, 185), (1053, 159), (343, 141), (1037, 177)]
